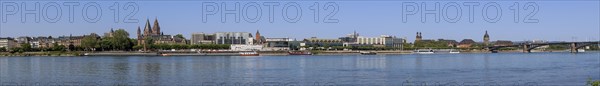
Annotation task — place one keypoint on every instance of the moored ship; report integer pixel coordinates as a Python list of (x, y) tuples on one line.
[(300, 53), (249, 54)]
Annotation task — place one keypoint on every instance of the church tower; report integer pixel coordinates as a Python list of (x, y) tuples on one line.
[(156, 27), (147, 28), (258, 38), (486, 38), (419, 37)]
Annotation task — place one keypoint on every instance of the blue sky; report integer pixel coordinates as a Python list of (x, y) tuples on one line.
[(558, 20)]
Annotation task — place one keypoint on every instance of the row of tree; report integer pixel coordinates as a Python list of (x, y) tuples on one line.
[(120, 41)]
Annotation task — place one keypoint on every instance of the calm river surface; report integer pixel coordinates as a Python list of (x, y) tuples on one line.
[(438, 69)]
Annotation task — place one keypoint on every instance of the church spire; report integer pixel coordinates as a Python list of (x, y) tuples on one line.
[(147, 28), (258, 38), (156, 27)]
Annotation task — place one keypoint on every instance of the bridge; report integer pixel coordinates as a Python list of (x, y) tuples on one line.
[(527, 47)]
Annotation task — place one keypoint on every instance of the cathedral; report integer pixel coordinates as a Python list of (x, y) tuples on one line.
[(156, 35)]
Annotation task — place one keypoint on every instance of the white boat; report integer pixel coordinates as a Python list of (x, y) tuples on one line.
[(423, 51), (439, 51), (451, 51), (368, 53), (578, 50), (249, 54)]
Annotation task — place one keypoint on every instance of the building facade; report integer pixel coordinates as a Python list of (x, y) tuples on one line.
[(274, 44), (383, 40), (232, 37), (8, 43), (466, 43), (316, 42), (202, 38)]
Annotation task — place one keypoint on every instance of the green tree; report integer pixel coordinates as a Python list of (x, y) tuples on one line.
[(26, 47), (120, 40), (105, 44), (148, 43), (179, 36), (89, 42)]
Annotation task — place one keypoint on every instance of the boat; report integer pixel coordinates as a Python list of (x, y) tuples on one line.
[(423, 51), (368, 53), (438, 51), (249, 54), (450, 51), (578, 50), (300, 53)]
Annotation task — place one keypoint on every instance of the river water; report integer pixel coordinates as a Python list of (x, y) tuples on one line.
[(518, 69)]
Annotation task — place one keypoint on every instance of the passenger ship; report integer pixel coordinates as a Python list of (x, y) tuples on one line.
[(439, 51)]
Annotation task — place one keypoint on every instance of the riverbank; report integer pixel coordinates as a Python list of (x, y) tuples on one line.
[(229, 53)]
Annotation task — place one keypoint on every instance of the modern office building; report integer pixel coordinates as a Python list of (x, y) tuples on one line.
[(202, 38), (278, 43), (383, 40), (232, 37)]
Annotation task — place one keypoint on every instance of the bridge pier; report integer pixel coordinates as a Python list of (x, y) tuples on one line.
[(574, 48), (526, 48)]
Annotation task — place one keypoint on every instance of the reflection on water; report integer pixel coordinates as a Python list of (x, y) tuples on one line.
[(442, 69)]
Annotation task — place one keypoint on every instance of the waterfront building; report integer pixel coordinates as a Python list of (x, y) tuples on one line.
[(350, 38), (383, 40), (466, 43), (451, 43), (486, 38), (316, 42), (278, 43), (69, 40), (42, 42), (8, 43), (232, 37), (223, 38), (23, 39), (202, 38), (245, 47)]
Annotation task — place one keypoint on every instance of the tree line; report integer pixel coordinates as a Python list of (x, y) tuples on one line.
[(118, 41)]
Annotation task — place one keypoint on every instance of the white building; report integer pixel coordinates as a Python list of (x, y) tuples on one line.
[(232, 37), (8, 43), (244, 47), (385, 40)]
